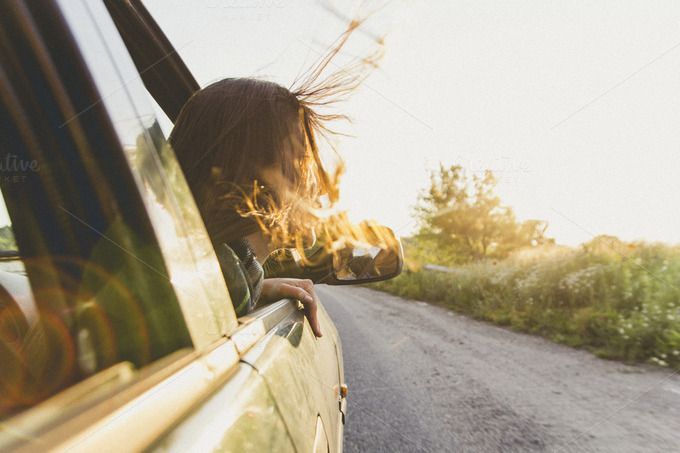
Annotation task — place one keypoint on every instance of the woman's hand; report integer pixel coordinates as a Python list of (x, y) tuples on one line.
[(274, 289)]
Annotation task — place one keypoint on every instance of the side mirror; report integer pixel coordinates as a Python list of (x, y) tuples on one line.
[(378, 256), (363, 264)]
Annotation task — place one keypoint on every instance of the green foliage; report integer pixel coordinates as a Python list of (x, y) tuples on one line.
[(7, 241), (462, 219), (620, 300)]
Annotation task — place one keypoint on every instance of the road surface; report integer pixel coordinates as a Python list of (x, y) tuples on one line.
[(422, 378)]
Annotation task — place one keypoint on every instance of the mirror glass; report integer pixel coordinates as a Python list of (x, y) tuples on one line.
[(368, 263)]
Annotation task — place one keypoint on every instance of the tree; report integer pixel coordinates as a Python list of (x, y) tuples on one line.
[(463, 219)]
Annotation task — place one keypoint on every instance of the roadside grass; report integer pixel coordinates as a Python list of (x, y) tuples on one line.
[(619, 302)]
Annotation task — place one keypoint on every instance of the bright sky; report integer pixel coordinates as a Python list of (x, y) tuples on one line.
[(574, 105)]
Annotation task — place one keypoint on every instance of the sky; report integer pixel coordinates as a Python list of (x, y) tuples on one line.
[(573, 105)]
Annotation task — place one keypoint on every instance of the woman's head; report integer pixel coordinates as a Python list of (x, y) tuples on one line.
[(249, 154)]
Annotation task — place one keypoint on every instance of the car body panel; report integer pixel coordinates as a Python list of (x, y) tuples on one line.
[(242, 416), (302, 373)]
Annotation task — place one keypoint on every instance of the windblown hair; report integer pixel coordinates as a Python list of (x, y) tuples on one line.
[(249, 150)]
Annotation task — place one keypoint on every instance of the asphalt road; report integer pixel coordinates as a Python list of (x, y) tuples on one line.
[(424, 379)]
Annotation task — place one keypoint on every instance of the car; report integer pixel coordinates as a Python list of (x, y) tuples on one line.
[(117, 331)]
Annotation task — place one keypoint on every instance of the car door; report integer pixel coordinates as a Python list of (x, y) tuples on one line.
[(304, 375), (116, 327)]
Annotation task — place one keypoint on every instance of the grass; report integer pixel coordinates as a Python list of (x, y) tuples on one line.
[(621, 301)]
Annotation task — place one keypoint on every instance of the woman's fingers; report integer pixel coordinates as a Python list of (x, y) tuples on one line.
[(289, 290), (303, 290)]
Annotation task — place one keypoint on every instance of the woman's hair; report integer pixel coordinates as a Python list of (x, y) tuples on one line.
[(248, 149), (243, 150)]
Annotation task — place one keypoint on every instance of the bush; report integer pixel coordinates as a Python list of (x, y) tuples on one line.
[(621, 301)]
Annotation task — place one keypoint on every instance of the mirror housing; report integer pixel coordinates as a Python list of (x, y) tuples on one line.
[(378, 256)]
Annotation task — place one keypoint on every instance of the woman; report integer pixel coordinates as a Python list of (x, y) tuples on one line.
[(248, 151)]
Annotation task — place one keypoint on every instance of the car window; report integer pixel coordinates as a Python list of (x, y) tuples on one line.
[(64, 318), (192, 265), (88, 288), (20, 339)]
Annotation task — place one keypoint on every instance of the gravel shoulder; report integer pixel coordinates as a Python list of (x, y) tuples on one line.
[(422, 378)]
